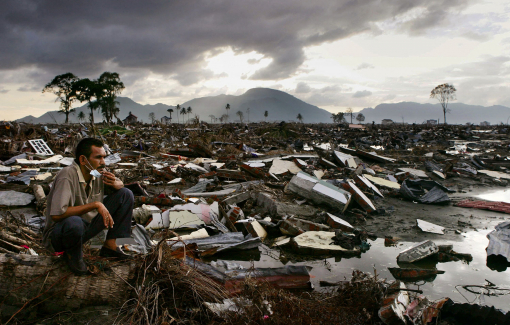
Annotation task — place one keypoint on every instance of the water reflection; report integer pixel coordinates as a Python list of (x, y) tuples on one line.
[(500, 196), (379, 258)]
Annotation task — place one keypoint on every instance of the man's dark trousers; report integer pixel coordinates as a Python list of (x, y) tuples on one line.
[(70, 234)]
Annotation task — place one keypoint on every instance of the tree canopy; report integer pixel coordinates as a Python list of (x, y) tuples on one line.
[(338, 117), (62, 86)]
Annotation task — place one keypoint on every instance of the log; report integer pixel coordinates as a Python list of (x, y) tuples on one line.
[(5, 236), (39, 193), (47, 279)]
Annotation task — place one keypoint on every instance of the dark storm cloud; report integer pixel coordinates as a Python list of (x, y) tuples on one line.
[(175, 37)]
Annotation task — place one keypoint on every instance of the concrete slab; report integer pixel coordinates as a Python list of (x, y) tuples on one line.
[(418, 252), (318, 191)]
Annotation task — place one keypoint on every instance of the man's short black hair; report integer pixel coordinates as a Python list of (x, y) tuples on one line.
[(84, 148)]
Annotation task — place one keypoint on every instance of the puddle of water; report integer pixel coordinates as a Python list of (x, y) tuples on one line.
[(381, 257), (499, 195)]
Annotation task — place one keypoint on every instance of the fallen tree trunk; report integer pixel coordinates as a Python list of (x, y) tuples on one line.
[(27, 280)]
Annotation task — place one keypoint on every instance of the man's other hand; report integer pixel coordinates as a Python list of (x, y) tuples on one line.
[(107, 218)]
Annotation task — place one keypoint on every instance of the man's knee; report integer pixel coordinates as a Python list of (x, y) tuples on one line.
[(73, 226), (127, 195)]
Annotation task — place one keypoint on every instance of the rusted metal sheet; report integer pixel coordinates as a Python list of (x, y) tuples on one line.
[(254, 171), (287, 277), (413, 274), (233, 174), (359, 196), (486, 205), (155, 201), (394, 304)]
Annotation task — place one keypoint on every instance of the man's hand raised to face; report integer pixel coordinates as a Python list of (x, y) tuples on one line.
[(110, 180)]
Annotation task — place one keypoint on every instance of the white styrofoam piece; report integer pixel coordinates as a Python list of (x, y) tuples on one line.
[(429, 227)]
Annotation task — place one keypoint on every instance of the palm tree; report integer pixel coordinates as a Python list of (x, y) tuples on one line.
[(189, 111), (81, 116), (212, 117), (227, 108), (170, 111), (300, 118), (178, 110), (248, 111), (183, 112), (266, 114)]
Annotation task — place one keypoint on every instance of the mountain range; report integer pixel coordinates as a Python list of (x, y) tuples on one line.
[(279, 105), (410, 112), (284, 107)]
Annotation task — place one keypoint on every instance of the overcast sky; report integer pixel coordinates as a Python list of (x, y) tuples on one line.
[(330, 53)]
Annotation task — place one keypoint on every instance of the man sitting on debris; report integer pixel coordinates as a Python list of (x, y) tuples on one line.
[(76, 211)]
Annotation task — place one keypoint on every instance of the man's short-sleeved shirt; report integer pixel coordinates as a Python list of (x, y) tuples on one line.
[(69, 190)]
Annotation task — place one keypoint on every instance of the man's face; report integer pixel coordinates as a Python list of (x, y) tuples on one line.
[(96, 159)]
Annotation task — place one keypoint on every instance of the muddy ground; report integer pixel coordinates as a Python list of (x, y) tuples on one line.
[(400, 218)]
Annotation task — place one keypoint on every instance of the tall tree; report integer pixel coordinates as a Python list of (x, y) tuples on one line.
[(183, 112), (170, 111), (91, 92), (111, 86), (360, 117), (350, 112), (189, 111), (300, 117), (228, 109), (212, 117), (177, 112), (152, 117), (241, 115), (62, 87), (248, 112), (338, 117), (224, 118), (444, 93), (266, 114)]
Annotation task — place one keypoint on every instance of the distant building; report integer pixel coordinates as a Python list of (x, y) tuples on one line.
[(432, 122), (356, 126), (485, 123), (386, 121), (130, 119), (166, 120)]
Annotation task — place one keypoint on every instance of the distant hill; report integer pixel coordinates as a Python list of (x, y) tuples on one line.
[(460, 113), (280, 106)]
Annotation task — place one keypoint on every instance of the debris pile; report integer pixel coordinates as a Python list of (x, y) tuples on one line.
[(205, 191)]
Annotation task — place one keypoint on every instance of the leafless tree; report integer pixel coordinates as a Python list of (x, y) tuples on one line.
[(444, 93)]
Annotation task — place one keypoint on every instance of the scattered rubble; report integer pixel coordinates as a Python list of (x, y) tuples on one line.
[(204, 191)]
